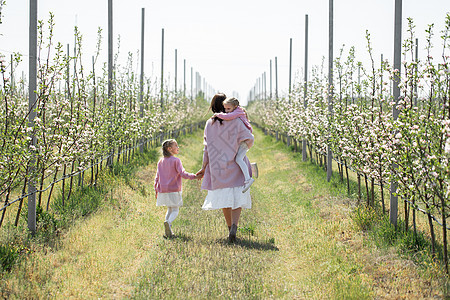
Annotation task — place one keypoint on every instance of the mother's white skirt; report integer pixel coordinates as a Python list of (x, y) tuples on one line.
[(227, 197)]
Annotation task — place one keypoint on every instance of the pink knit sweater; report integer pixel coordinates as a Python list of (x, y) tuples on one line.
[(237, 113), (169, 174), (221, 144)]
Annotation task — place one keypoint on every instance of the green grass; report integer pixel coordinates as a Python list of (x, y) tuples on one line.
[(297, 241)]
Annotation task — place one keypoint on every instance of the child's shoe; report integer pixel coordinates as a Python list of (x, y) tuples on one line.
[(247, 184), (168, 229)]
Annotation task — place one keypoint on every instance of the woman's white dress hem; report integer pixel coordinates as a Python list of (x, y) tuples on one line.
[(227, 197)]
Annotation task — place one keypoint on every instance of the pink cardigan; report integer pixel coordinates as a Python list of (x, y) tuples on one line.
[(237, 113), (169, 174), (221, 144)]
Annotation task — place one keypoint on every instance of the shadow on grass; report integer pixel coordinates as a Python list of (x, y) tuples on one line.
[(249, 244), (179, 237), (240, 242)]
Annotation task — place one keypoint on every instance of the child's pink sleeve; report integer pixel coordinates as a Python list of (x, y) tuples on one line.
[(156, 179), (238, 112), (183, 172)]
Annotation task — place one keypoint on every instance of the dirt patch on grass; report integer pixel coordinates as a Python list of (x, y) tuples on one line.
[(395, 277), (299, 179), (147, 174)]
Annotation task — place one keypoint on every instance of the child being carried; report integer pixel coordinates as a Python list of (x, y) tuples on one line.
[(234, 111)]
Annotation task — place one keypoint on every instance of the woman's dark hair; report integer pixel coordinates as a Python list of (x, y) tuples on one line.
[(217, 105)]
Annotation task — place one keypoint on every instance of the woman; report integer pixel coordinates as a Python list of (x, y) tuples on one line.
[(222, 176)]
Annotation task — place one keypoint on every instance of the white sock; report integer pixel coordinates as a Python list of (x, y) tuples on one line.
[(240, 160), (172, 213)]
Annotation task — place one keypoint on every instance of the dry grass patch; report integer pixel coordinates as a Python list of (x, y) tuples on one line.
[(390, 275)]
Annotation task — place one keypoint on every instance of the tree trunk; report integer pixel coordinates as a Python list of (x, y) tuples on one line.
[(373, 192), (359, 188), (433, 238), (21, 200), (406, 215), (64, 185), (444, 232), (6, 202), (348, 180), (71, 181), (367, 190), (51, 189)]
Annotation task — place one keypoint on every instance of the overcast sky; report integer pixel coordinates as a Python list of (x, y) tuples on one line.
[(230, 43)]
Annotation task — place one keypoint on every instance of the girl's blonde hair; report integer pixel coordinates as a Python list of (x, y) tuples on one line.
[(165, 147), (235, 102)]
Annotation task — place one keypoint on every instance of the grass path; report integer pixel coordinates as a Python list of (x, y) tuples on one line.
[(296, 242)]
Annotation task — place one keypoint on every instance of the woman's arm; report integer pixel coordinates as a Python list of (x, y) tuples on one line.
[(205, 163)]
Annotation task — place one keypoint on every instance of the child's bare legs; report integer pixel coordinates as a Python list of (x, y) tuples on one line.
[(243, 148)]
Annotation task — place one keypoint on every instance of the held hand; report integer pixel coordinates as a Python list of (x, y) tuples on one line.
[(156, 195), (200, 173)]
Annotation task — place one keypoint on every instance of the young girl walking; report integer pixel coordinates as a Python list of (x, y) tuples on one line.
[(234, 111), (168, 183)]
